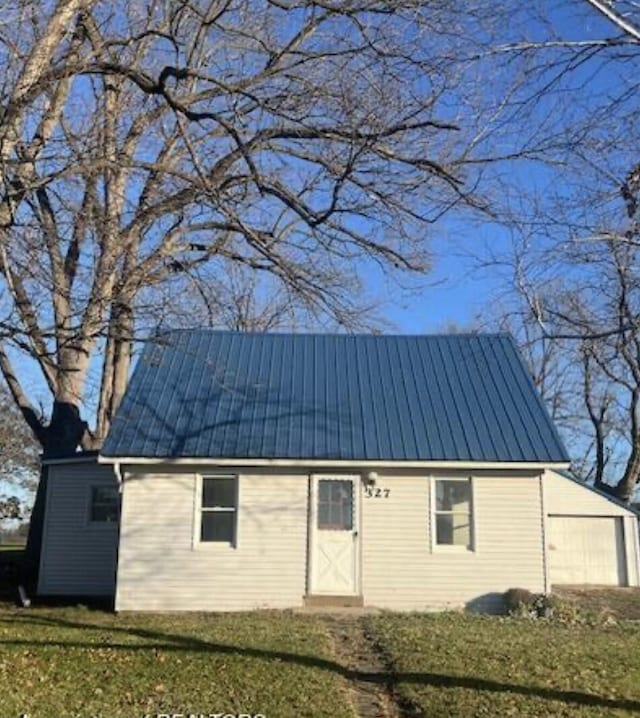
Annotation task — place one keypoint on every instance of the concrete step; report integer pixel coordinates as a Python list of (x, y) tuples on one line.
[(322, 601)]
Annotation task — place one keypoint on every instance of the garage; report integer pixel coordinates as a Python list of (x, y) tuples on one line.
[(590, 538), (586, 550)]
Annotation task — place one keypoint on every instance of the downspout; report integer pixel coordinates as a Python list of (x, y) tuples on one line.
[(543, 518), (118, 474)]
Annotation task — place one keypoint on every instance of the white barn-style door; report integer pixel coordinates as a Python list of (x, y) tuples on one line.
[(334, 549)]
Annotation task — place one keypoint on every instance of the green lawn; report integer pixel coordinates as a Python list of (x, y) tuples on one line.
[(79, 662), (75, 662), (463, 665)]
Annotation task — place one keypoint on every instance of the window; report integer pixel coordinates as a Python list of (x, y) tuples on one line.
[(105, 505), (218, 509), (453, 513), (335, 505)]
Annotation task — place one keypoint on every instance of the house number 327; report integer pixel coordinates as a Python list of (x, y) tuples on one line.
[(373, 492)]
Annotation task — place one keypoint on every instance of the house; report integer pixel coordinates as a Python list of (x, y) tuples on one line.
[(248, 471)]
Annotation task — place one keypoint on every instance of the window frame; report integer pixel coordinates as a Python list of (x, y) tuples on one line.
[(453, 548), (198, 510), (93, 523)]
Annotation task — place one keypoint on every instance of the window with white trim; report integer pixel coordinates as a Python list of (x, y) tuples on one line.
[(104, 505), (218, 509), (453, 513)]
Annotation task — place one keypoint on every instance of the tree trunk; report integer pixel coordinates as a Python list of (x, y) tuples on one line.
[(600, 464), (122, 354), (627, 484), (117, 361)]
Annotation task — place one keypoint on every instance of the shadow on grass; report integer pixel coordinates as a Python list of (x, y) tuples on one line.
[(159, 640)]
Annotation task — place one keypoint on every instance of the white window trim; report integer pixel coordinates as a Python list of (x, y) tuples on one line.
[(101, 525), (452, 548), (197, 513)]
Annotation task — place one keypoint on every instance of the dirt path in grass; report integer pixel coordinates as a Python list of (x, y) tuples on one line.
[(368, 678)]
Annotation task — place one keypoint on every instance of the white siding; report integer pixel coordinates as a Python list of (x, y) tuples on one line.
[(565, 497), (401, 569), (78, 558), (160, 567)]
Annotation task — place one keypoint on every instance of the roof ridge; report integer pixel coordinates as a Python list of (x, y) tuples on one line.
[(253, 333)]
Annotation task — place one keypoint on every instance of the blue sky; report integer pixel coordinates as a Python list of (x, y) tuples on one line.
[(451, 294), (458, 292), (455, 292)]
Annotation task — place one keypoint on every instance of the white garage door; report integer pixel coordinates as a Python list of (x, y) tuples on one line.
[(586, 549)]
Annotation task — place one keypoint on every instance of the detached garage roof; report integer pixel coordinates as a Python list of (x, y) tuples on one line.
[(211, 394)]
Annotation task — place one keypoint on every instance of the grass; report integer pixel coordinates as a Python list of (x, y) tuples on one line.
[(77, 662), (621, 603), (464, 665), (71, 662)]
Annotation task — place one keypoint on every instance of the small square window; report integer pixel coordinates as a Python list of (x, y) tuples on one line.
[(218, 493), (218, 509), (217, 526), (452, 495), (105, 504), (453, 530)]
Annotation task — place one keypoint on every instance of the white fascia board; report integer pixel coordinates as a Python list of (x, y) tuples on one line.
[(335, 463)]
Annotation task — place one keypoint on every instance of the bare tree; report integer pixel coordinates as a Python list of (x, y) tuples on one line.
[(149, 147), (583, 295), (150, 150), (542, 357), (572, 299), (568, 73), (623, 14)]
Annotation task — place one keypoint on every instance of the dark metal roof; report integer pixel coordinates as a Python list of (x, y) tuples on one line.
[(198, 394)]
